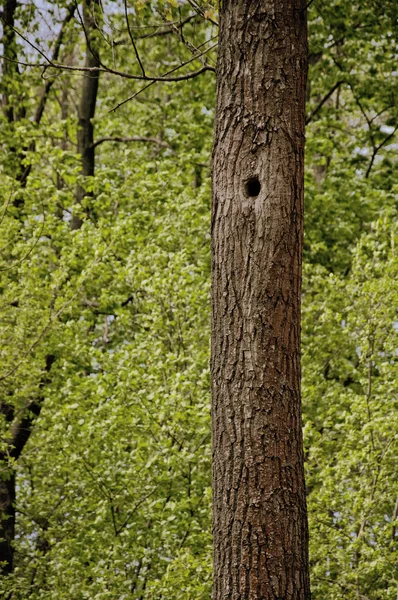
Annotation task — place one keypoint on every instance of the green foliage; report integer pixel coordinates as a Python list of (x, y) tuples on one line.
[(113, 487), (350, 363)]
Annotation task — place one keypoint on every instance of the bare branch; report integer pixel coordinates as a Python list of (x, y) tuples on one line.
[(132, 97), (126, 140), (166, 27), (201, 12), (377, 115), (322, 102), (178, 31), (376, 150), (22, 427), (132, 39), (196, 73), (134, 509), (54, 58), (363, 111), (122, 74), (375, 147)]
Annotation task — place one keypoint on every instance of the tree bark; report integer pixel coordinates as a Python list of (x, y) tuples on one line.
[(21, 426), (259, 503), (10, 68), (11, 77), (7, 481), (88, 100), (7, 521)]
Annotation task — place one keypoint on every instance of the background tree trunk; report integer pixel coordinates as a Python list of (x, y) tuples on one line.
[(21, 426), (20, 422), (9, 77), (9, 68), (88, 99), (259, 505), (7, 521)]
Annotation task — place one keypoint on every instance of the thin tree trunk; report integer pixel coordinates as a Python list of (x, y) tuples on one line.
[(259, 505), (13, 109), (7, 481), (7, 522), (88, 99), (10, 68), (20, 425)]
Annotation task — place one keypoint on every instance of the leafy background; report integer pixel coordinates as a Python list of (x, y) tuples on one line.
[(113, 487)]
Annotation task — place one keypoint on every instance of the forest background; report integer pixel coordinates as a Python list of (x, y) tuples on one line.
[(105, 306)]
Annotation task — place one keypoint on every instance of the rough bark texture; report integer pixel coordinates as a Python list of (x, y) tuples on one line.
[(88, 99), (259, 505)]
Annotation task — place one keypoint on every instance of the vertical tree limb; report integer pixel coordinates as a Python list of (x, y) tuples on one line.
[(86, 109)]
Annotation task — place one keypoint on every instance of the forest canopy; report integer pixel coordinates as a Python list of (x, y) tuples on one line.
[(106, 133)]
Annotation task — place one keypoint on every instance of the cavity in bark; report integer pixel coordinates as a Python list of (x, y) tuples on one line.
[(253, 187)]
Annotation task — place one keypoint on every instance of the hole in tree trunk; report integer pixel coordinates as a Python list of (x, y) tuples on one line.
[(252, 187)]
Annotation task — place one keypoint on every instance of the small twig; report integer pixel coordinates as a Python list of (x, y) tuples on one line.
[(394, 518), (89, 70), (376, 150), (178, 31), (132, 39), (126, 140), (134, 509), (206, 68), (7, 203), (201, 12), (322, 102), (57, 47), (166, 28)]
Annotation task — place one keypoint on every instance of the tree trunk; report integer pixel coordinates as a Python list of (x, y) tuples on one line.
[(88, 99), (10, 68), (259, 504), (7, 522), (7, 480), (21, 424)]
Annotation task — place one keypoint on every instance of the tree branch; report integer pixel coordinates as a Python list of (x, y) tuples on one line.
[(132, 39), (22, 427), (10, 54), (166, 28), (126, 140), (193, 49), (376, 150), (54, 58), (322, 102), (201, 12), (208, 68), (122, 74)]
